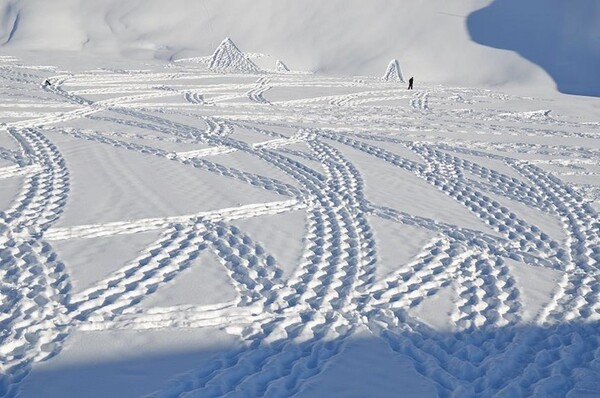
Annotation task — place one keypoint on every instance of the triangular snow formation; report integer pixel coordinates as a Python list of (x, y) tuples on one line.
[(227, 57), (393, 72), (281, 67)]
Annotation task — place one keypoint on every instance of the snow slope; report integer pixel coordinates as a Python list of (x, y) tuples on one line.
[(175, 231), (434, 40)]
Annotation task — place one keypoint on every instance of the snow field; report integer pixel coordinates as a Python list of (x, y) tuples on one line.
[(439, 228)]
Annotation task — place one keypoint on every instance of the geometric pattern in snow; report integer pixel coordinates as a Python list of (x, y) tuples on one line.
[(291, 328)]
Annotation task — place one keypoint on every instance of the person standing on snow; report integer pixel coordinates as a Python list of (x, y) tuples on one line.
[(410, 83)]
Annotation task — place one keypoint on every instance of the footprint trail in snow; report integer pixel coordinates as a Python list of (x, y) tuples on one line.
[(462, 235)]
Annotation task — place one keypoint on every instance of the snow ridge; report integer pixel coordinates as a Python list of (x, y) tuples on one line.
[(393, 72), (228, 57)]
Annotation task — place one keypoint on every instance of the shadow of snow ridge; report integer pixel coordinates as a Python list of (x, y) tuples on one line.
[(562, 37)]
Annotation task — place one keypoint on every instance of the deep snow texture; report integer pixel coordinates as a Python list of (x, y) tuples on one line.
[(434, 40)]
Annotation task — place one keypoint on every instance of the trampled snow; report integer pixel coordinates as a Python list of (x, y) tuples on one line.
[(181, 235), (222, 226)]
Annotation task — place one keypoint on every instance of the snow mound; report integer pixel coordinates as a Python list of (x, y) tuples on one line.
[(393, 72), (281, 67), (228, 57)]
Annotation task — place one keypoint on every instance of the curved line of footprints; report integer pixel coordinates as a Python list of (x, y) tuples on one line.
[(291, 327)]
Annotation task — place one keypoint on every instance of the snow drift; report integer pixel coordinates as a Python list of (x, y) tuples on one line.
[(431, 39)]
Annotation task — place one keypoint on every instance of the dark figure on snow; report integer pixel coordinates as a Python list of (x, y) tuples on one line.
[(410, 83), (46, 83)]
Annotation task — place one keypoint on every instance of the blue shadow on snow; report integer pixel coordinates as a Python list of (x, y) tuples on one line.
[(562, 37), (557, 361)]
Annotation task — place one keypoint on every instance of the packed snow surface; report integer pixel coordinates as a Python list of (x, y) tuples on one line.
[(180, 231)]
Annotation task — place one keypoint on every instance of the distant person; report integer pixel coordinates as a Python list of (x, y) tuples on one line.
[(410, 83), (46, 83)]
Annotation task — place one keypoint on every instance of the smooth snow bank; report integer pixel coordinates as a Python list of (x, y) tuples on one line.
[(430, 38)]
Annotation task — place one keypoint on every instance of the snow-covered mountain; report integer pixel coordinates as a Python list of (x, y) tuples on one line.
[(435, 40)]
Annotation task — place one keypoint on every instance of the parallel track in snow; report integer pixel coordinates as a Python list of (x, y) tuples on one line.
[(291, 328)]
